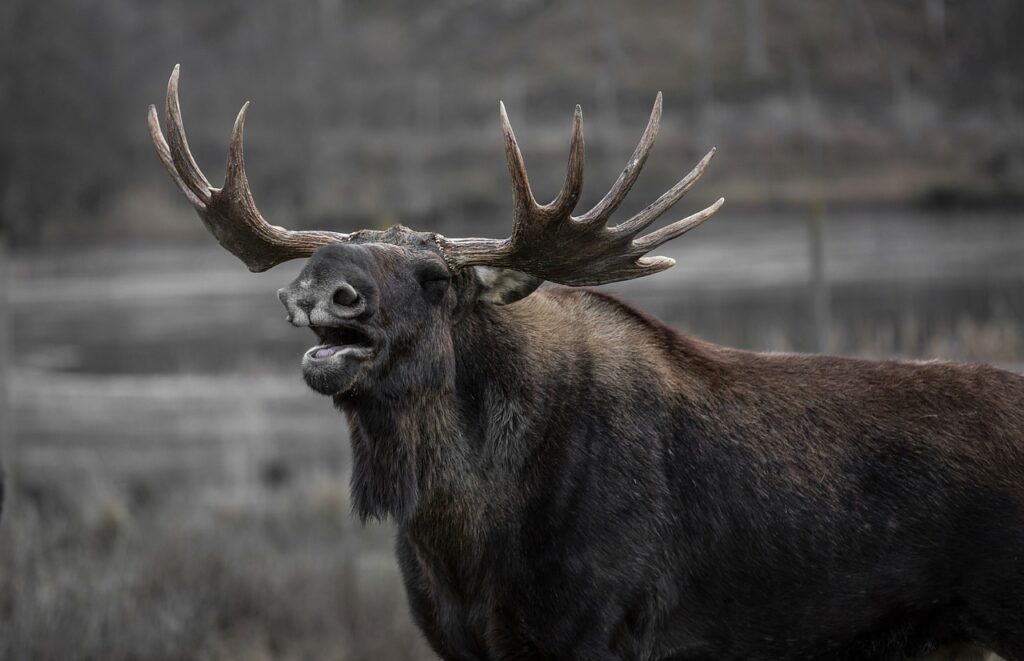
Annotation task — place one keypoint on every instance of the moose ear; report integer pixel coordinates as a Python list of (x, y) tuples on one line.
[(500, 286)]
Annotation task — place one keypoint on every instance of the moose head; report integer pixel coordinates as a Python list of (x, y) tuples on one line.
[(382, 303)]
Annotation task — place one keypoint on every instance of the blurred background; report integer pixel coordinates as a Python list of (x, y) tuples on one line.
[(175, 491)]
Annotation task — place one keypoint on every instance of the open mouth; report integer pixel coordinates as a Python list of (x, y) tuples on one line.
[(337, 341)]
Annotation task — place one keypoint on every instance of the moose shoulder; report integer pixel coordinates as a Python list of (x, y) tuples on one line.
[(570, 478)]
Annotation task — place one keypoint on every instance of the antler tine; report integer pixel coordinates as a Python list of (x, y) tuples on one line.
[(185, 164), (573, 186), (641, 220), (236, 189), (614, 197), (229, 213), (522, 197), (234, 173), (163, 151), (651, 241)]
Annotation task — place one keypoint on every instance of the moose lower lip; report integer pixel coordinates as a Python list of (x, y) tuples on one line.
[(325, 352), (328, 351)]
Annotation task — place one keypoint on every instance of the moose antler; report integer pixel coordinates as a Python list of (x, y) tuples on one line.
[(229, 212), (548, 242)]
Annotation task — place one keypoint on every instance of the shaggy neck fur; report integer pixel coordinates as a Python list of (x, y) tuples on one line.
[(432, 446), (447, 447)]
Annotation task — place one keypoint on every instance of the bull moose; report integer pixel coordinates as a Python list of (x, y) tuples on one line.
[(571, 478)]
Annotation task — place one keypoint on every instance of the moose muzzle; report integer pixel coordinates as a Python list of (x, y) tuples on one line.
[(311, 303)]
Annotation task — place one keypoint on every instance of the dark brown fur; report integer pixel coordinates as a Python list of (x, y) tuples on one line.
[(573, 479)]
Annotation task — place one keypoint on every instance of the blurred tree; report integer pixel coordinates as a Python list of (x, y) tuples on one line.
[(368, 112), (757, 43)]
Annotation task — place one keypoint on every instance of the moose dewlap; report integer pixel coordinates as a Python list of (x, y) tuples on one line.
[(571, 478)]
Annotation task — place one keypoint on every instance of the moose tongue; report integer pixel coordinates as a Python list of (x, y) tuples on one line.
[(324, 352)]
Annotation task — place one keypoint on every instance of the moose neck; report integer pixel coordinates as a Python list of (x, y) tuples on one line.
[(431, 452), (449, 454)]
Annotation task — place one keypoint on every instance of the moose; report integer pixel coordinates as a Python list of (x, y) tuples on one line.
[(570, 478)]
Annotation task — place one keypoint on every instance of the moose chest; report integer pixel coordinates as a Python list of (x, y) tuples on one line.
[(456, 597), (529, 590)]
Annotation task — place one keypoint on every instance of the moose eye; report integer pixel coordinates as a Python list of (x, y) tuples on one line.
[(432, 271), (434, 279)]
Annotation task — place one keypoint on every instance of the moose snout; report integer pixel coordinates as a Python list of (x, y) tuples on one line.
[(321, 304)]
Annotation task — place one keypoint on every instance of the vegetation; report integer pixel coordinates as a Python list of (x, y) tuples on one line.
[(365, 113), (87, 574)]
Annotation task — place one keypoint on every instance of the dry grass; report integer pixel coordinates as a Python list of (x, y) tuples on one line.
[(85, 574), (997, 341)]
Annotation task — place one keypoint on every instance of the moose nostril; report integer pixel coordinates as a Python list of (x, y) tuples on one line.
[(345, 295)]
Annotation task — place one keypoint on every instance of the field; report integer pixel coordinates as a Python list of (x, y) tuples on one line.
[(179, 492)]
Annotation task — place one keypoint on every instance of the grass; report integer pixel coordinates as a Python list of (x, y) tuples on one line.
[(283, 574)]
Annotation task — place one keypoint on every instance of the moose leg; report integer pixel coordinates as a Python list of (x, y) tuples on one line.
[(960, 653), (445, 636), (1007, 641), (995, 597), (1007, 617)]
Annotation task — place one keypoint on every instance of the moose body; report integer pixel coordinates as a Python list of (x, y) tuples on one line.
[(597, 486), (572, 479)]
